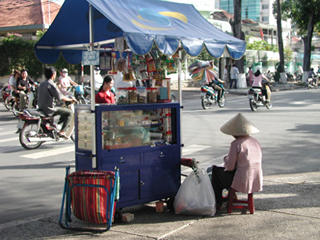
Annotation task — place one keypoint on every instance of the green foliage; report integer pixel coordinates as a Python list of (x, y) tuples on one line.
[(300, 11), (18, 53), (288, 54), (262, 45)]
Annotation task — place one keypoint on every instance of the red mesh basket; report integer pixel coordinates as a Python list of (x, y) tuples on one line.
[(90, 192)]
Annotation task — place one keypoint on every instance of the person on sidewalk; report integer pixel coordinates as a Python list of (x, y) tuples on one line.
[(242, 167), (250, 76), (225, 74), (234, 76), (47, 92)]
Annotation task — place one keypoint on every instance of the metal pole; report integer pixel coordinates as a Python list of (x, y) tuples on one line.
[(93, 119), (180, 94)]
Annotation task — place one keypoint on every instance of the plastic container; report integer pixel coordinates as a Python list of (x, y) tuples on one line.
[(132, 95), (142, 95), (163, 93), (79, 90), (122, 96), (152, 94)]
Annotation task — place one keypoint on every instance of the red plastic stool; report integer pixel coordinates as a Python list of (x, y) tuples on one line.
[(235, 203)]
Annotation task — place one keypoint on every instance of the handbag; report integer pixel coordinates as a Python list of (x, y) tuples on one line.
[(195, 196)]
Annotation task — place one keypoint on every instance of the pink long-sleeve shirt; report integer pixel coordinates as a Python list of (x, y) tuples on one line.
[(246, 157)]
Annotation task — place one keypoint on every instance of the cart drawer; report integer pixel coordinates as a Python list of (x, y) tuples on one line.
[(159, 156), (121, 161)]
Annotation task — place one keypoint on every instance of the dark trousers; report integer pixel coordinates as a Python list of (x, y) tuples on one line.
[(65, 117), (235, 83), (221, 180)]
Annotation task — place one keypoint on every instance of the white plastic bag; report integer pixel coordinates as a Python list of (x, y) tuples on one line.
[(196, 196)]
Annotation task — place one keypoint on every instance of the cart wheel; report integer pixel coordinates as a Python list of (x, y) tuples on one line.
[(118, 216), (169, 203)]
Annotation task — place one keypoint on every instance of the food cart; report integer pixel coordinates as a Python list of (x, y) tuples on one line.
[(142, 139)]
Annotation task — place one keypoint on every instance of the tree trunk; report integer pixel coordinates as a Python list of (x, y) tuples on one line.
[(280, 41), (237, 32), (307, 43)]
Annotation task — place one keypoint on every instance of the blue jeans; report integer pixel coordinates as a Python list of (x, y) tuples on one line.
[(235, 83)]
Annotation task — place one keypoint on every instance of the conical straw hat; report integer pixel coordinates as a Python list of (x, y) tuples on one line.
[(238, 126)]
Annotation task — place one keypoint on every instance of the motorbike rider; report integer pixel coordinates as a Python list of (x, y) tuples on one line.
[(313, 76), (217, 84), (65, 82), (23, 84), (13, 85), (47, 91), (257, 83)]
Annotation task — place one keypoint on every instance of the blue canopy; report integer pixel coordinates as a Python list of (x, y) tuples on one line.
[(141, 23)]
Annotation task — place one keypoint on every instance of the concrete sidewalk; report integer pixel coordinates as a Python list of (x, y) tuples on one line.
[(288, 208)]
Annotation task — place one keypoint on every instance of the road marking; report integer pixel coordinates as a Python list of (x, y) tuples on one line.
[(193, 148), (9, 139), (49, 153), (9, 132)]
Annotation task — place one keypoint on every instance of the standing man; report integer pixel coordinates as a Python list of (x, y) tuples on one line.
[(234, 76), (48, 91), (225, 74)]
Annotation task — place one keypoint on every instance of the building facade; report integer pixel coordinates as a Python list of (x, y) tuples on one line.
[(26, 17)]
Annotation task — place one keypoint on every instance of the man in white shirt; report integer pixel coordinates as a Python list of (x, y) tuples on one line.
[(234, 76)]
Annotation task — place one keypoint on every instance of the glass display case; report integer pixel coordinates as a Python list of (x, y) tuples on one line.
[(143, 140), (136, 128)]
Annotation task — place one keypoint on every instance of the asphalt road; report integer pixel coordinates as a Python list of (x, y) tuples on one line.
[(32, 181)]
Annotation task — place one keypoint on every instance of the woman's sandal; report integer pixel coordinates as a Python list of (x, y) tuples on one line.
[(63, 135)]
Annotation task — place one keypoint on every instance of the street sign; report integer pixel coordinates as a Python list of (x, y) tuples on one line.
[(90, 57)]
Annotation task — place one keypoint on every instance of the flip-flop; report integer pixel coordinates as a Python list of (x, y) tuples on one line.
[(62, 135)]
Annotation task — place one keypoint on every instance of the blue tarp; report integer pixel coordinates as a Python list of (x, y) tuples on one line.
[(141, 22)]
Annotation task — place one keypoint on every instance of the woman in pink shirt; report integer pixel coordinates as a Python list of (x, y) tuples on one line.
[(257, 83), (242, 168)]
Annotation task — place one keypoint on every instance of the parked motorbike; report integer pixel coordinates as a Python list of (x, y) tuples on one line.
[(209, 96), (257, 99), (312, 82), (38, 128)]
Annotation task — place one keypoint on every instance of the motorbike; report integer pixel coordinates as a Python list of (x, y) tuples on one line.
[(209, 96), (312, 82), (38, 128), (81, 93), (257, 99), (7, 98)]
